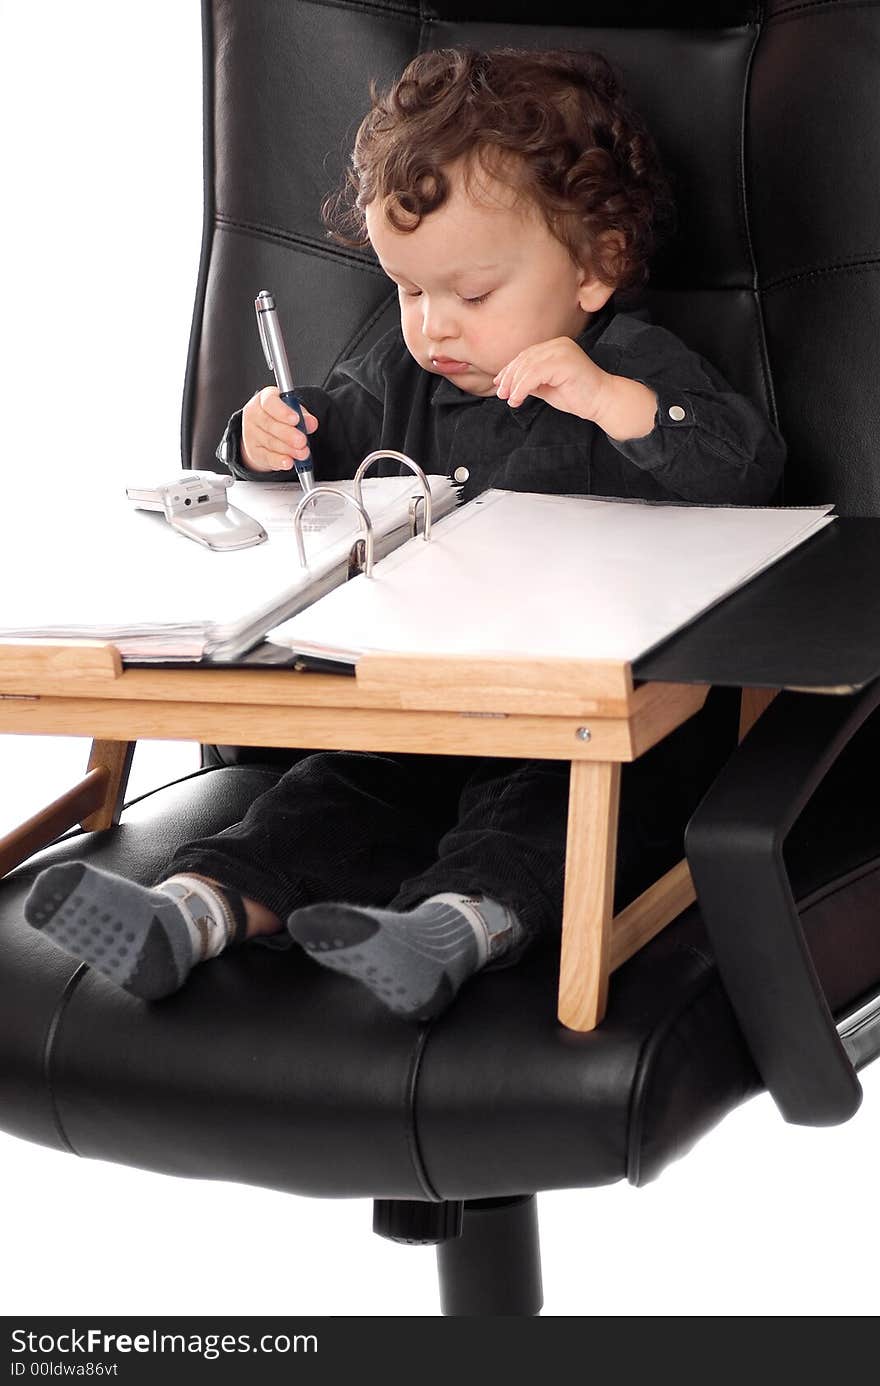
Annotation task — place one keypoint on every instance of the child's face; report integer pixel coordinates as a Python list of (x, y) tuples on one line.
[(481, 279)]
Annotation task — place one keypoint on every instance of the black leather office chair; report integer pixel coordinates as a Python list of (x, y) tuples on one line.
[(453, 1127)]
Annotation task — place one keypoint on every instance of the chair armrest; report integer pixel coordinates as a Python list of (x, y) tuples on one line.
[(734, 847)]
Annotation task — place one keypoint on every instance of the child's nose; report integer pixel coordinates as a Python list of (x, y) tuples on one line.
[(438, 322)]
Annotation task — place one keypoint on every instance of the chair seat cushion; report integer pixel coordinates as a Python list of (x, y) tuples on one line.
[(271, 1070)]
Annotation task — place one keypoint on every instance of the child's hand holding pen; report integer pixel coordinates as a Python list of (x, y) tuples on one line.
[(271, 439), (563, 375), (275, 424)]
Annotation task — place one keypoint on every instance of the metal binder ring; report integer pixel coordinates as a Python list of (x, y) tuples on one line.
[(349, 500), (407, 462)]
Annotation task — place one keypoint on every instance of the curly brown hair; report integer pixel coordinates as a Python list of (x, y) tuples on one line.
[(553, 125)]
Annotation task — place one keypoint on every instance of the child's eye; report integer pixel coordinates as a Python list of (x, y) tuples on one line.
[(411, 293), (481, 298)]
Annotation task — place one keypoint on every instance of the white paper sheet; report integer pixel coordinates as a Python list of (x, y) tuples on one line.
[(551, 576)]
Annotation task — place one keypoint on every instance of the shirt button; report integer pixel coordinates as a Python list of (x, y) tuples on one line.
[(460, 474), (677, 413)]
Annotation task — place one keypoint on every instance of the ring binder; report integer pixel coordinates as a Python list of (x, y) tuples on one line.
[(315, 493), (365, 564), (406, 462), (414, 504)]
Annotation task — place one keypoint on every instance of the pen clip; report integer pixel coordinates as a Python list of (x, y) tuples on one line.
[(263, 337)]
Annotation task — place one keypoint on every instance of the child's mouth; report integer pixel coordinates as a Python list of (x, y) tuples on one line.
[(447, 365)]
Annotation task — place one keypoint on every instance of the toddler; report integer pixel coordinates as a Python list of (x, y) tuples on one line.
[(513, 199)]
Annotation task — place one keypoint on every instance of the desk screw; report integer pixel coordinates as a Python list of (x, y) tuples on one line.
[(583, 733)]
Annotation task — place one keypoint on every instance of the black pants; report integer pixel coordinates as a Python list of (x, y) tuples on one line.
[(393, 829)]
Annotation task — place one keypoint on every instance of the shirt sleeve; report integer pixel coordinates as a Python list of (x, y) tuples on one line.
[(709, 445), (349, 412)]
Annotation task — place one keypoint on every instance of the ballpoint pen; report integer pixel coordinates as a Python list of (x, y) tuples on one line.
[(276, 359)]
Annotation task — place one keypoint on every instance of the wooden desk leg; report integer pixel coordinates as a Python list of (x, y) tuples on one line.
[(591, 852), (94, 803), (115, 757)]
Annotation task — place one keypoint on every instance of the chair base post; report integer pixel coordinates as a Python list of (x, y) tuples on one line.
[(494, 1268)]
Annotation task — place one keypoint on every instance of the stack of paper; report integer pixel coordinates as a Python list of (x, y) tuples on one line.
[(95, 567)]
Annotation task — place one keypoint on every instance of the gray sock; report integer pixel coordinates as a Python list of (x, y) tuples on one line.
[(145, 940), (415, 961)]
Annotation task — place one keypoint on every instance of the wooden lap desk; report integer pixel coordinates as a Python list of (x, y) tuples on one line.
[(791, 627), (589, 714)]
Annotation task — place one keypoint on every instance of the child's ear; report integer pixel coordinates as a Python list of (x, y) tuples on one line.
[(593, 292)]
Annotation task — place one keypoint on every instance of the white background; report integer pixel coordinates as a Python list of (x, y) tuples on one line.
[(100, 113)]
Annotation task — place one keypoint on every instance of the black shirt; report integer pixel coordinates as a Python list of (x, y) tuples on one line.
[(708, 445)]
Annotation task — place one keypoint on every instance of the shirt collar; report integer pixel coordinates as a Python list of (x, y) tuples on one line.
[(447, 392)]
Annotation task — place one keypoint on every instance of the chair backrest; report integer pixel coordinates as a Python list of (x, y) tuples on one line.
[(768, 120)]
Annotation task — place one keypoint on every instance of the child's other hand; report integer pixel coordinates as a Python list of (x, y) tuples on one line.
[(270, 437), (557, 371)]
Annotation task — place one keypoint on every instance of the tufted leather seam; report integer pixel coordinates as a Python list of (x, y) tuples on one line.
[(377, 7), (357, 337), (806, 6), (77, 976), (264, 770), (72, 833), (48, 1054), (194, 775), (766, 377), (815, 897), (806, 902), (412, 1134), (187, 405), (309, 247), (744, 227), (843, 267), (424, 22), (644, 1067), (54, 1026)]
